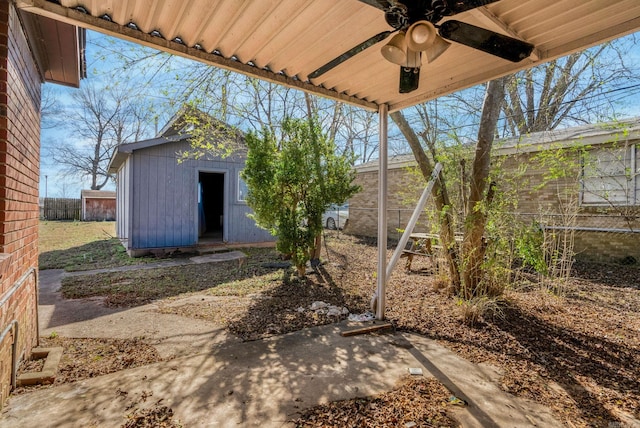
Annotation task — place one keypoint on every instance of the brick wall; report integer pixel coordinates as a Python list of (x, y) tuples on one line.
[(404, 190), (535, 204), (599, 230), (19, 171)]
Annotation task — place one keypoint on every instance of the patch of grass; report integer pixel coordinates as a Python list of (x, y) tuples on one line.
[(139, 287), (64, 235), (94, 255), (77, 246)]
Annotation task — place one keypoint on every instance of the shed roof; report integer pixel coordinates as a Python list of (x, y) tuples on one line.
[(123, 151), (98, 194), (173, 132), (285, 41)]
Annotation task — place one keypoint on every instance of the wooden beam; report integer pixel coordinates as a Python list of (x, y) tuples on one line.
[(365, 330)]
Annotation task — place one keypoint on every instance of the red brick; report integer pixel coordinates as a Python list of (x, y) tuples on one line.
[(19, 166)]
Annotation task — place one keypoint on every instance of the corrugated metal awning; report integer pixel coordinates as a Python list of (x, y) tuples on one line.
[(286, 40)]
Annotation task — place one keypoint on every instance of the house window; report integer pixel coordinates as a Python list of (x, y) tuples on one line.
[(242, 189), (611, 176)]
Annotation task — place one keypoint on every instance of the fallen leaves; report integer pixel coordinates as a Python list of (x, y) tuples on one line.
[(86, 358), (418, 402), (578, 354)]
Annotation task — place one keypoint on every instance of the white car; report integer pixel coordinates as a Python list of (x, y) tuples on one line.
[(336, 216)]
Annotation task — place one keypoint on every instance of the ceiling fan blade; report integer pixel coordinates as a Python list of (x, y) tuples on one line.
[(459, 6), (350, 53), (502, 46), (409, 79), (379, 4)]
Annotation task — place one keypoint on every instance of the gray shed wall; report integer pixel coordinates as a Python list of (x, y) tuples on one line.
[(163, 202)]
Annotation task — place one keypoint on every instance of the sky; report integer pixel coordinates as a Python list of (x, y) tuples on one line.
[(103, 64)]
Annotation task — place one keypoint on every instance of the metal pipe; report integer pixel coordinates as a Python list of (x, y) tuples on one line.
[(5, 298), (18, 284), (36, 285), (383, 113), (13, 325), (413, 220)]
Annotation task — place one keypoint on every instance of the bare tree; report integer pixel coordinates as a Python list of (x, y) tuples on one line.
[(473, 248), (50, 108), (440, 193), (564, 91), (100, 119)]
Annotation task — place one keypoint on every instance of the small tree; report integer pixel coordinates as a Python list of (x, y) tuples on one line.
[(291, 182)]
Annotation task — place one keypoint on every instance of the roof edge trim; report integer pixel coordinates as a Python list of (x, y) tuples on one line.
[(74, 17)]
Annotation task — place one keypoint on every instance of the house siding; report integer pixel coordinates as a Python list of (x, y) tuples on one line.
[(403, 192), (601, 233), (19, 173), (163, 207)]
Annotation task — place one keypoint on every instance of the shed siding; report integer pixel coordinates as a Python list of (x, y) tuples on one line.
[(164, 201)]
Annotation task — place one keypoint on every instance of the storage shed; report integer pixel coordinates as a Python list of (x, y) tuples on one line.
[(167, 202), (98, 205)]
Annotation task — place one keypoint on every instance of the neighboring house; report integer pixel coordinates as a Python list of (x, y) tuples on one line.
[(98, 205), (402, 185), (598, 196), (35, 49), (166, 202)]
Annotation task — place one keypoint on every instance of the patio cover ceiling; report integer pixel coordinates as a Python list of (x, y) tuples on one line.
[(283, 41)]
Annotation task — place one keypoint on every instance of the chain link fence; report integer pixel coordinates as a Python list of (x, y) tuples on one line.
[(611, 237)]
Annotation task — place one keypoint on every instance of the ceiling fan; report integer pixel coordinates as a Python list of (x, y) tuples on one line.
[(418, 32)]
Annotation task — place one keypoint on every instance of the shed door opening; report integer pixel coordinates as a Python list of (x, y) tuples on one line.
[(210, 206)]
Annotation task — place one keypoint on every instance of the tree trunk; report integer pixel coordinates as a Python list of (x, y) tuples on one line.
[(473, 247), (440, 195)]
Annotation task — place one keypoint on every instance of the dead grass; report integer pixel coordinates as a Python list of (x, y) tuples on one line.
[(77, 246), (63, 235), (138, 287)]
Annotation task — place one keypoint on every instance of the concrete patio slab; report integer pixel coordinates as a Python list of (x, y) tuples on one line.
[(264, 383), (212, 379)]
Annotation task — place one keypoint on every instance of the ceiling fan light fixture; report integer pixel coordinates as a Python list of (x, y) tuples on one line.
[(414, 59), (436, 49), (421, 35), (396, 50)]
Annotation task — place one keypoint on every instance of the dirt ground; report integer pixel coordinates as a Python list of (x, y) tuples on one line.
[(577, 353)]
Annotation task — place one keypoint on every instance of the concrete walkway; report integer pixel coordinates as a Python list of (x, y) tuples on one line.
[(217, 381), (264, 383)]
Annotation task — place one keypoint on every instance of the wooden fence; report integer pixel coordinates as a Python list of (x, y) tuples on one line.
[(60, 209)]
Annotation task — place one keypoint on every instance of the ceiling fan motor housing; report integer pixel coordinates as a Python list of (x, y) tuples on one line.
[(397, 16)]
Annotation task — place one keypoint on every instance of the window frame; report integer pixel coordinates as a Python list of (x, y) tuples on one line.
[(630, 174)]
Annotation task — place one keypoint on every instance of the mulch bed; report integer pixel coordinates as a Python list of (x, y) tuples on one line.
[(415, 403)]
